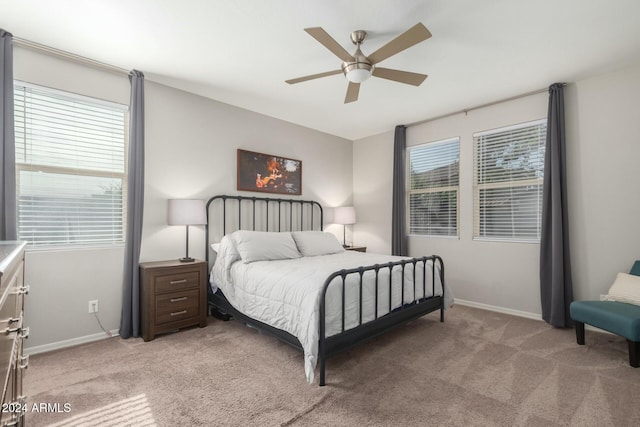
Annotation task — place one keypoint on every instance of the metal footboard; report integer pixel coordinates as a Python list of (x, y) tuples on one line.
[(328, 346)]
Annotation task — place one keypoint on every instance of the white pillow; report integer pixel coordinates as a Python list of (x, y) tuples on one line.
[(626, 288), (215, 247), (226, 255), (265, 246), (314, 243)]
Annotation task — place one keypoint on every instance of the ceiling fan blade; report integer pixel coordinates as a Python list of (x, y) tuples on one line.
[(412, 36), (352, 92), (327, 41), (406, 77), (313, 76)]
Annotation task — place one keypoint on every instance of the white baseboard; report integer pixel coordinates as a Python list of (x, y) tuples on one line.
[(69, 343), (498, 309), (519, 313)]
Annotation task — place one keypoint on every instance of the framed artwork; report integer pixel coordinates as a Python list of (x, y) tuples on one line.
[(268, 173)]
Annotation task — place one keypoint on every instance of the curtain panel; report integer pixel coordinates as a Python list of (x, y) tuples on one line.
[(556, 288), (399, 244), (130, 319), (8, 226)]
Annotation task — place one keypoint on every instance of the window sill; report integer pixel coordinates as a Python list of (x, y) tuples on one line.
[(72, 248), (498, 240), (428, 236)]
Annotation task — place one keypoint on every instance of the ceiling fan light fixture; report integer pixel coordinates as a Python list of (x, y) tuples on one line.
[(357, 72)]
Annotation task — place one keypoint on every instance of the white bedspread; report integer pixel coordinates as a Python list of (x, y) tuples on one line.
[(286, 293)]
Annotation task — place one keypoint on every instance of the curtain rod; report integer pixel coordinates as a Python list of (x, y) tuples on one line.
[(477, 107), (17, 41)]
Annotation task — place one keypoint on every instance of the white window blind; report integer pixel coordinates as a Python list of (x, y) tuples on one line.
[(508, 174), (70, 166), (433, 188)]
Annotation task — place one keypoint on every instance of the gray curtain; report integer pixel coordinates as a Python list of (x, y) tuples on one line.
[(556, 289), (398, 215), (130, 319), (8, 229)]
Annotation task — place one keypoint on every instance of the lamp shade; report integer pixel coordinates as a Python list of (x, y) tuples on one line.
[(186, 212), (344, 215)]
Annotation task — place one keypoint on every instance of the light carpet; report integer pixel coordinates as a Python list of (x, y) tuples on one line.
[(478, 368)]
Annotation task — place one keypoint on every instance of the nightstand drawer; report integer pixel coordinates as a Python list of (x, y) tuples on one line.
[(176, 282), (177, 306)]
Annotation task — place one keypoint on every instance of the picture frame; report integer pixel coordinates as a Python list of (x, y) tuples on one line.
[(268, 173)]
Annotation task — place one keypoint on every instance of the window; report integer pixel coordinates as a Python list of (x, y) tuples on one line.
[(70, 167), (433, 188), (508, 173)]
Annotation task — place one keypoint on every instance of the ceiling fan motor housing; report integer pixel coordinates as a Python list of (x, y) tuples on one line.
[(360, 69)]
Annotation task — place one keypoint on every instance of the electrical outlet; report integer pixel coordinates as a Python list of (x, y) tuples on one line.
[(93, 306)]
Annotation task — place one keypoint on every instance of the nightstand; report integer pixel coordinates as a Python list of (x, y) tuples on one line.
[(173, 295), (356, 248)]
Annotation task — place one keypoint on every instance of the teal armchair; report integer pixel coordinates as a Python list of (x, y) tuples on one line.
[(619, 318)]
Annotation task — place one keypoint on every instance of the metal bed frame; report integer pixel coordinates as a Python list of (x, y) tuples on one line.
[(311, 218)]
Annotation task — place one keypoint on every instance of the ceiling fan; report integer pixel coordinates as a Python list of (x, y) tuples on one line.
[(357, 67)]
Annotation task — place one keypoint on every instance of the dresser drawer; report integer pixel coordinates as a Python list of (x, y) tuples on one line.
[(178, 281), (177, 306), (11, 307), (7, 355)]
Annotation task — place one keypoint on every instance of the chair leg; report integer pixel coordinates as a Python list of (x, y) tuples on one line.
[(580, 332), (634, 352)]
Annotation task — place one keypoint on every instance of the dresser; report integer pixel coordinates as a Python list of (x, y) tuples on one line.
[(173, 295), (12, 362)]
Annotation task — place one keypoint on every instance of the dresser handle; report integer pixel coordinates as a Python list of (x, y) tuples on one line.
[(178, 313), (13, 320), (177, 299), (24, 362), (24, 332), (13, 422), (175, 282), (24, 290), (8, 331)]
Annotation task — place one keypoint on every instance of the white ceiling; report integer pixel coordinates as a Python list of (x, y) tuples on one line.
[(241, 51)]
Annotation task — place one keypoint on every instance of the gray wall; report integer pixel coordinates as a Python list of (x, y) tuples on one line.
[(603, 126), (191, 145)]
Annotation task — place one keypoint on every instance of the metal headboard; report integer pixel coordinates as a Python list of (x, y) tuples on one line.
[(288, 214)]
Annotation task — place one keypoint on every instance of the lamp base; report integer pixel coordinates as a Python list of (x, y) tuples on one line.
[(187, 259)]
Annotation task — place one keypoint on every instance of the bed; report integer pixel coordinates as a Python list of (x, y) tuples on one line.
[(276, 270)]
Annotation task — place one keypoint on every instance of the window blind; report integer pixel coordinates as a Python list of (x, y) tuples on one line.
[(508, 175), (433, 188), (70, 166)]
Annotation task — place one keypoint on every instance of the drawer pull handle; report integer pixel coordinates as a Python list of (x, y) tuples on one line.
[(178, 313), (13, 320), (24, 290), (8, 331), (178, 299), (175, 282), (24, 332), (24, 362)]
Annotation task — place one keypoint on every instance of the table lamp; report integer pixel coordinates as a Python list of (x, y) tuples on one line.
[(187, 212), (344, 215)]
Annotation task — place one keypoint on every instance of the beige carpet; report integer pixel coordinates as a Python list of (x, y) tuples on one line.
[(479, 368)]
